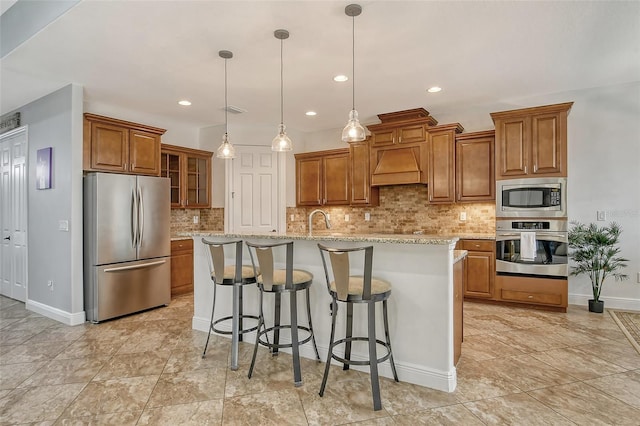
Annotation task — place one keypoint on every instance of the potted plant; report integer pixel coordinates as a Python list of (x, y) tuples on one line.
[(596, 253)]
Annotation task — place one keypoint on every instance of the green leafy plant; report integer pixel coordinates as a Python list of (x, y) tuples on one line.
[(596, 253)]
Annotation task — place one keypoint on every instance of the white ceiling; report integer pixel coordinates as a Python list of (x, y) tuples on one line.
[(146, 55)]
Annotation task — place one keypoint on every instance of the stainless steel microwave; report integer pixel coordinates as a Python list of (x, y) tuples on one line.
[(532, 197)]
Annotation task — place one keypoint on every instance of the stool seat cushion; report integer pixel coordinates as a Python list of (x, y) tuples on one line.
[(230, 272), (356, 285), (299, 277)]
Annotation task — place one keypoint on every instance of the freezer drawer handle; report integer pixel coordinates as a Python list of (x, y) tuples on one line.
[(144, 265)]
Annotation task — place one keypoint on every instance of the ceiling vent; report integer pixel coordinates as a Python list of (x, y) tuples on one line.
[(234, 109)]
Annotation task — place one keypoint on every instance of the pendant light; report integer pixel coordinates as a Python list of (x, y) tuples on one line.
[(281, 142), (353, 131), (226, 150)]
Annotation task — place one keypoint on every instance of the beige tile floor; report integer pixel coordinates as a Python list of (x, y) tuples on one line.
[(518, 367)]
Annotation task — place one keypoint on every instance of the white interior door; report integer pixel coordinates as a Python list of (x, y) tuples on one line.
[(254, 190), (13, 214)]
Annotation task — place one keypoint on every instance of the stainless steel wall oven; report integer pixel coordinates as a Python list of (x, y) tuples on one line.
[(535, 248)]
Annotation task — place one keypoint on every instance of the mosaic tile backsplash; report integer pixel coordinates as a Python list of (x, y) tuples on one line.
[(403, 209)]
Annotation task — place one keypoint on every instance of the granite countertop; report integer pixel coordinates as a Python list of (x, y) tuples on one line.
[(458, 255), (339, 236)]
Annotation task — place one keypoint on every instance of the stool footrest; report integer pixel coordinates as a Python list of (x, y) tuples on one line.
[(356, 362), (283, 345), (229, 318)]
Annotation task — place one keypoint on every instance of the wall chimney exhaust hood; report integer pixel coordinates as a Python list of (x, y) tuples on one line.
[(399, 151)]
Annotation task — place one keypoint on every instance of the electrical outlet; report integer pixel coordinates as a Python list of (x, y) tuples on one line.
[(463, 216), (50, 284), (367, 217), (346, 218), (602, 215), (291, 218), (196, 219)]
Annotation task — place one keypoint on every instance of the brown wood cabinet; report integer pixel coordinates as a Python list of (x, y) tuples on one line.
[(398, 147), (190, 174), (322, 178), (532, 142), (362, 194), (547, 293), (480, 268), (114, 145), (181, 266), (475, 169), (442, 175), (459, 272)]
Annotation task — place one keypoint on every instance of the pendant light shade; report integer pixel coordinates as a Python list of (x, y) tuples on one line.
[(353, 131), (225, 150), (281, 142)]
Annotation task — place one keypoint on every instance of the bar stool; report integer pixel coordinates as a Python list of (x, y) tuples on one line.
[(236, 275), (352, 289), (279, 281)]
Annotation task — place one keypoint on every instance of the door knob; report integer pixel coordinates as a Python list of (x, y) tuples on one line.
[(8, 238)]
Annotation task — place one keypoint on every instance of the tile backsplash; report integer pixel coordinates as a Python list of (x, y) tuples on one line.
[(403, 209)]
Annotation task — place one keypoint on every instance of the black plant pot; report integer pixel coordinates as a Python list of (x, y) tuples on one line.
[(596, 306)]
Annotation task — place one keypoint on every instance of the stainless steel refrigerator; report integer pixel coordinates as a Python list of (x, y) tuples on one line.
[(127, 244)]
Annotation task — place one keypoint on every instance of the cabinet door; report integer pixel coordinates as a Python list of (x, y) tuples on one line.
[(309, 181), (197, 177), (144, 153), (181, 266), (362, 193), (441, 186), (480, 273), (170, 168), (512, 147), (411, 134), (336, 179), (383, 137), (109, 147), (548, 149), (475, 170)]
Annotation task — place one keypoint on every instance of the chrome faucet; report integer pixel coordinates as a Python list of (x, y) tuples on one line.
[(326, 219)]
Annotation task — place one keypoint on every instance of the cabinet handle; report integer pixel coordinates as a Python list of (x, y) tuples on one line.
[(126, 165), (529, 297), (393, 139), (399, 139), (535, 168), (133, 166), (525, 170)]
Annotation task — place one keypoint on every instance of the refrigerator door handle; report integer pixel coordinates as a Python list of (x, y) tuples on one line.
[(144, 265), (134, 219), (140, 216)]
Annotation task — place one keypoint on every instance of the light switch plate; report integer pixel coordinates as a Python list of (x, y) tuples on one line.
[(63, 225), (602, 215), (367, 217)]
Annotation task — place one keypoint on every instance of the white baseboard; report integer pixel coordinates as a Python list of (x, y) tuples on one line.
[(409, 373), (55, 313), (621, 303)]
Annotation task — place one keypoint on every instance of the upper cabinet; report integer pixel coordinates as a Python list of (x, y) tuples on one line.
[(190, 174), (442, 174), (475, 170), (532, 142), (322, 178), (362, 194), (114, 145), (398, 147)]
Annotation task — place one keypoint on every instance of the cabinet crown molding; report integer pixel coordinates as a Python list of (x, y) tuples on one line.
[(457, 127), (409, 116), (117, 122), (545, 109), (475, 135)]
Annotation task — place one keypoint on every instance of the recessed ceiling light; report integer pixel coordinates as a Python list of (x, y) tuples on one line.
[(184, 103), (310, 113), (340, 78), (434, 89)]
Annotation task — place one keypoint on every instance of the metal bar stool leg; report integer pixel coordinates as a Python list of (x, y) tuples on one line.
[(255, 347), (235, 330), (213, 308), (347, 346), (276, 323), (295, 350), (313, 336), (334, 314), (240, 304), (386, 335), (373, 356)]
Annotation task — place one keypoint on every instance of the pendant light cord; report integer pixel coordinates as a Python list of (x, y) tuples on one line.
[(225, 98), (281, 86), (353, 62)]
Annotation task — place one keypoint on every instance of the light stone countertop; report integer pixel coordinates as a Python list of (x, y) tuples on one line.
[(458, 255), (343, 236)]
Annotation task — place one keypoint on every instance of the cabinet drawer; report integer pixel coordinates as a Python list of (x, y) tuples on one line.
[(477, 245), (530, 297), (181, 246)]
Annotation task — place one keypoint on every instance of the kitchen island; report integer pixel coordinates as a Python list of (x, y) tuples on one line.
[(421, 307)]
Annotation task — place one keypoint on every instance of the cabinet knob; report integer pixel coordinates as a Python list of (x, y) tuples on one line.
[(529, 297)]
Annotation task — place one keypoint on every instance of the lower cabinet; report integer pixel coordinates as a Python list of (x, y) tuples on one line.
[(542, 292), (181, 266), (481, 268)]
